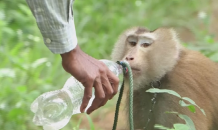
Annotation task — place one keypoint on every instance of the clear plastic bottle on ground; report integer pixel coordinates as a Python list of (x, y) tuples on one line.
[(54, 109)]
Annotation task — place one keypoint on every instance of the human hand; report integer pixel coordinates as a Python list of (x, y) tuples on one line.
[(91, 73)]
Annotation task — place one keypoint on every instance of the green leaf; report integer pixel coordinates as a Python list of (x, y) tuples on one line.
[(190, 106), (78, 124), (209, 39), (156, 90), (183, 104), (193, 103), (25, 9), (7, 72), (157, 126), (2, 15), (15, 113), (189, 100), (22, 89), (181, 127), (39, 62), (214, 57), (188, 120), (91, 125)]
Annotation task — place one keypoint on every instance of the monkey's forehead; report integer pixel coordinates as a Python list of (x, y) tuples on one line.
[(145, 34)]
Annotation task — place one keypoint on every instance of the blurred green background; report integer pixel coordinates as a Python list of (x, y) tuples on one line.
[(28, 68)]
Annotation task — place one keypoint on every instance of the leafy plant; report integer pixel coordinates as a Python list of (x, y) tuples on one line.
[(189, 123)]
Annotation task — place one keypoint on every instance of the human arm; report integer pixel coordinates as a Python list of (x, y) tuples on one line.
[(55, 21), (91, 73)]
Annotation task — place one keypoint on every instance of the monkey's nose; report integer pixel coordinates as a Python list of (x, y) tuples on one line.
[(129, 58)]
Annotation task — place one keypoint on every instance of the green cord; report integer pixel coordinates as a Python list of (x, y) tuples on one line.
[(125, 65), (118, 107), (130, 96)]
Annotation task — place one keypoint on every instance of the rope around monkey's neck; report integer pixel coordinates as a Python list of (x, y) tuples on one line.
[(126, 68)]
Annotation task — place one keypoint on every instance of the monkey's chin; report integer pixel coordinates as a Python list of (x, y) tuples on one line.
[(136, 72)]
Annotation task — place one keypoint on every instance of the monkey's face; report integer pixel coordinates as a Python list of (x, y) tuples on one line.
[(136, 54), (151, 54)]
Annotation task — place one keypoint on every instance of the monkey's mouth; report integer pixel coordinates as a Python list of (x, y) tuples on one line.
[(135, 69), (135, 72)]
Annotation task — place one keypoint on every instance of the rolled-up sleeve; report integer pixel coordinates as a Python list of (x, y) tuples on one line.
[(56, 24)]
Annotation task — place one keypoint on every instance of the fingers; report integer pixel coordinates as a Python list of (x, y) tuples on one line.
[(99, 96), (102, 79), (107, 87), (87, 95), (114, 81), (103, 91)]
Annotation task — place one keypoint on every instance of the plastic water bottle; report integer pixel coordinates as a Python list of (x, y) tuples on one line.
[(54, 109)]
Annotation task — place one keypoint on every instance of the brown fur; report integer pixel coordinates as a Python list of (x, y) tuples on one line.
[(187, 72), (141, 30)]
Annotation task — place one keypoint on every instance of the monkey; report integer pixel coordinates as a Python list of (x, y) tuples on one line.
[(158, 57)]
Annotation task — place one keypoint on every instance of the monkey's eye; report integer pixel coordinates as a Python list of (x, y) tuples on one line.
[(145, 44), (132, 43), (132, 40)]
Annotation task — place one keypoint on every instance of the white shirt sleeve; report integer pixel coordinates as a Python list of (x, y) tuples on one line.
[(56, 24)]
